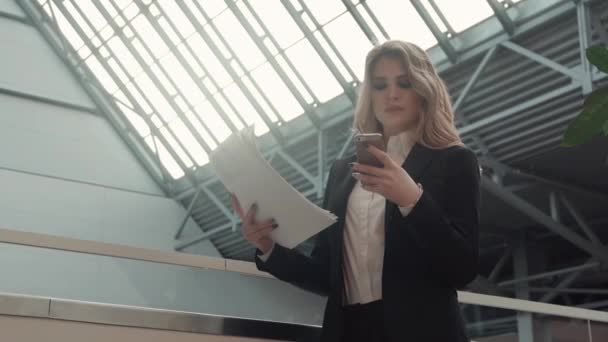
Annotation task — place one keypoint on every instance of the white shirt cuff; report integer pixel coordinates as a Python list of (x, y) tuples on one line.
[(266, 255), (406, 210)]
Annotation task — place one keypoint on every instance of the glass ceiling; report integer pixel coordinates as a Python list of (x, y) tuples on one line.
[(186, 74)]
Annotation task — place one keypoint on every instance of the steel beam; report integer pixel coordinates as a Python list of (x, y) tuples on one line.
[(541, 218), (542, 60), (587, 266), (333, 68), (22, 20), (506, 256), (475, 126), (187, 215), (321, 163), (451, 32), (599, 28), (442, 39), (463, 94), (501, 14), (520, 269), (564, 283), (219, 229), (584, 37), (585, 227), (554, 207), (363, 25), (495, 164), (289, 160)]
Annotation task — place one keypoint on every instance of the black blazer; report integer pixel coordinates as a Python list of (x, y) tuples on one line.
[(428, 254)]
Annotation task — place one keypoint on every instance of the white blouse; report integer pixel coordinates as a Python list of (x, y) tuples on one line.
[(363, 250)]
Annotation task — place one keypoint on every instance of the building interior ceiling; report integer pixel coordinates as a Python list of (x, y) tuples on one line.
[(177, 78)]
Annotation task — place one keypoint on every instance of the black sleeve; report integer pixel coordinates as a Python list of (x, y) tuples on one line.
[(449, 233), (310, 273)]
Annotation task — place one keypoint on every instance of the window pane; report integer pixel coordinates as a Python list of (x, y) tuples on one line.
[(189, 141), (476, 11), (210, 62), (324, 10), (81, 22), (101, 74), (277, 21), (350, 40), (124, 56), (212, 120), (136, 94), (164, 82), (192, 9), (314, 71), (182, 79), (401, 21), (177, 17), (68, 31), (175, 146), (148, 35), (277, 92), (201, 130), (264, 105), (165, 158), (213, 7), (93, 14), (159, 102), (245, 109), (221, 101), (239, 40), (140, 125)]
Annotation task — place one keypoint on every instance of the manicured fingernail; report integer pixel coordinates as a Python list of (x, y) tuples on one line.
[(356, 174), (352, 164)]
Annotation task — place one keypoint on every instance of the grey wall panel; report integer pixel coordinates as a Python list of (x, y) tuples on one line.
[(35, 271), (59, 142), (11, 7), (52, 206), (29, 65)]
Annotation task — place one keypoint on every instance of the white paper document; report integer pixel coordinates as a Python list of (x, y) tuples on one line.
[(242, 169)]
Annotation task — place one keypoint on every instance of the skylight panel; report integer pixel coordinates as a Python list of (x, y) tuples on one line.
[(280, 96), (350, 41), (314, 71), (463, 14), (401, 21), (278, 21), (239, 40)]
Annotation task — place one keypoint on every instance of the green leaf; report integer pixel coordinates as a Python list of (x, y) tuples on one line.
[(598, 56), (591, 121), (606, 128)]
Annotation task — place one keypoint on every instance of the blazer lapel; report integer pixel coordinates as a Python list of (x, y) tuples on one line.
[(342, 190), (415, 164)]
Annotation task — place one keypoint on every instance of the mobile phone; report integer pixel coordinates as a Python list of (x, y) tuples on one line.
[(362, 140)]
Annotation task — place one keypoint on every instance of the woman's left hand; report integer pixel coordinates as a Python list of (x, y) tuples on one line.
[(392, 181)]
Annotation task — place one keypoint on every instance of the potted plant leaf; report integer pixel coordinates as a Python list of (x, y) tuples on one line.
[(593, 119)]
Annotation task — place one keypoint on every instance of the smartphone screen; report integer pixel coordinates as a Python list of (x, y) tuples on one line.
[(361, 143)]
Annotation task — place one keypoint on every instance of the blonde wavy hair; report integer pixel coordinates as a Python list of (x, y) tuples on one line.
[(435, 126)]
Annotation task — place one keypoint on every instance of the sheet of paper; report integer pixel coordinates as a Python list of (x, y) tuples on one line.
[(243, 170)]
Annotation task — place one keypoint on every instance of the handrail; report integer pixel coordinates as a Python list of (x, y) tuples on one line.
[(205, 262), (150, 318)]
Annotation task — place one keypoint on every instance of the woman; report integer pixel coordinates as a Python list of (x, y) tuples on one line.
[(407, 234)]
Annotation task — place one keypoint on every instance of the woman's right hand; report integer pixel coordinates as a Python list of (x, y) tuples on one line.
[(257, 233)]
